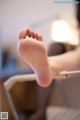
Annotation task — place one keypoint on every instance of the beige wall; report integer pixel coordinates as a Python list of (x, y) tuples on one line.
[(15, 14)]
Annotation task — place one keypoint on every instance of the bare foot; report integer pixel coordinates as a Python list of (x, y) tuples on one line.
[(32, 50)]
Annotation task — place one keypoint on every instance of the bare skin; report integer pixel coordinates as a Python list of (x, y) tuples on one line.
[(32, 50)]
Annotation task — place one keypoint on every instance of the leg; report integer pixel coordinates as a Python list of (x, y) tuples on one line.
[(32, 50)]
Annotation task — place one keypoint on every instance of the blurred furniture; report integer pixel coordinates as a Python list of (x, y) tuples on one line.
[(33, 94), (58, 113), (65, 100), (6, 104)]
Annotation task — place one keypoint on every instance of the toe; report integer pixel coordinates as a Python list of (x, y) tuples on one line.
[(31, 33), (40, 37), (36, 35), (23, 33)]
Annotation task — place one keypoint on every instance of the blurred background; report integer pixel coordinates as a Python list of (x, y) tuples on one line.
[(59, 24), (41, 16)]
